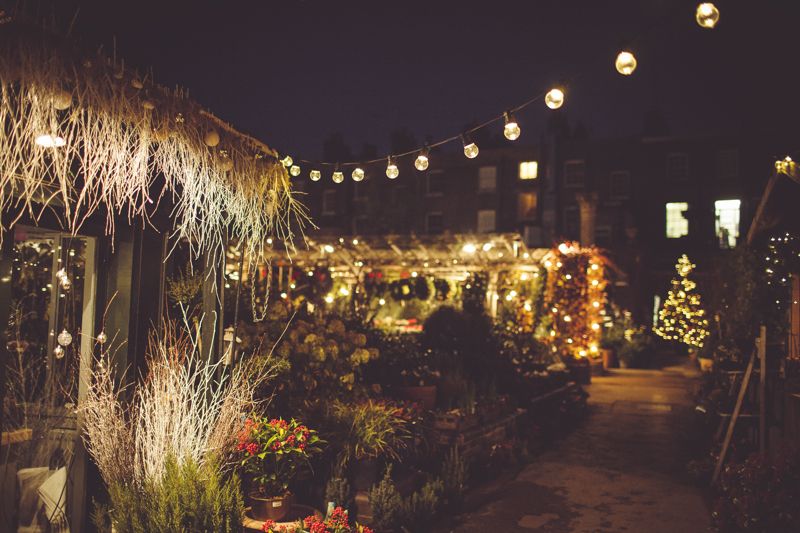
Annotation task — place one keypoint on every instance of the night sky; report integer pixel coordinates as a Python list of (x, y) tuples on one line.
[(291, 72)]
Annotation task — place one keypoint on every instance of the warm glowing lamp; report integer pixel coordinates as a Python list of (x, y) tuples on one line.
[(391, 168), (511, 129), (554, 99), (422, 159), (294, 170), (707, 15), (626, 63), (470, 148), (338, 177), (316, 175), (358, 174)]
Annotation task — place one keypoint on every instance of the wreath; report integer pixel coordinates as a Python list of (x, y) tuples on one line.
[(402, 290)]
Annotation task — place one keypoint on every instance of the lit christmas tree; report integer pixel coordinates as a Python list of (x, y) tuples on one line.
[(682, 317)]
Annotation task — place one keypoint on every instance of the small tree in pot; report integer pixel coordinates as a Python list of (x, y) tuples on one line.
[(273, 452)]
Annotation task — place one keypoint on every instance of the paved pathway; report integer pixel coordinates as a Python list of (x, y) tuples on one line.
[(622, 469)]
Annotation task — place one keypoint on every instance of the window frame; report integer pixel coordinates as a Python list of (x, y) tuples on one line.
[(434, 174), (493, 188), (478, 221), (569, 162), (674, 220), (535, 207), (520, 173), (428, 216), (328, 206), (572, 209)]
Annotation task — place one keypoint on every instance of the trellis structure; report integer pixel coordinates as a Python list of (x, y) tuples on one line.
[(452, 257)]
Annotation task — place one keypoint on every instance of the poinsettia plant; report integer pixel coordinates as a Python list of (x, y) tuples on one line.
[(274, 451), (336, 523)]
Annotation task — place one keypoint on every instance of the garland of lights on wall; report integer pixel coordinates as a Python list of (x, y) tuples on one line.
[(575, 297), (706, 14), (682, 316)]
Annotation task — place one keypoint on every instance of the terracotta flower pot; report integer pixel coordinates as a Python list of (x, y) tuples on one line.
[(275, 508)]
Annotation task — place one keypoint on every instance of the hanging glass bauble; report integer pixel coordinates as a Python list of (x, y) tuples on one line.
[(102, 337), (65, 283), (64, 338), (58, 352)]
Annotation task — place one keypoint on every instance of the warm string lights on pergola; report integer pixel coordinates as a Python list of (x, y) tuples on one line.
[(706, 14)]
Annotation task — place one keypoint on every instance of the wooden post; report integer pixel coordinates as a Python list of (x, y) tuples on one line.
[(735, 415), (762, 386)]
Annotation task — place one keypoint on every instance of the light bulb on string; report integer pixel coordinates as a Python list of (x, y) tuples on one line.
[(554, 99), (358, 174), (470, 148), (315, 175), (58, 351), (338, 177), (287, 161), (707, 15), (102, 337), (511, 129), (391, 168), (422, 159), (625, 63), (294, 170)]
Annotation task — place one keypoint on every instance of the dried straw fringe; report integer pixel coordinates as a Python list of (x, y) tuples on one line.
[(121, 133)]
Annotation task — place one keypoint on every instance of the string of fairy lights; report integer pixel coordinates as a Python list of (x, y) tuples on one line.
[(706, 14)]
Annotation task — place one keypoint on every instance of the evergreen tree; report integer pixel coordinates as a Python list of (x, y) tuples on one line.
[(682, 316)]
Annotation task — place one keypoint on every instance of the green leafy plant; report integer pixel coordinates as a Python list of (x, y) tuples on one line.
[(419, 509), (338, 489), (454, 476), (368, 429), (189, 498), (385, 503), (275, 451)]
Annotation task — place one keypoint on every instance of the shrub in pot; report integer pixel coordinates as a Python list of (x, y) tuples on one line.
[(272, 452)]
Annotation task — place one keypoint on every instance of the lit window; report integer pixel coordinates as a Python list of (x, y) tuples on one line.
[(526, 206), (620, 185), (329, 202), (727, 224), (487, 220), (487, 179), (435, 184), (677, 224), (574, 173), (677, 167), (528, 170), (434, 223)]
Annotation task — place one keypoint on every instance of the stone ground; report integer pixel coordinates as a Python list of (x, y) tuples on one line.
[(621, 469)]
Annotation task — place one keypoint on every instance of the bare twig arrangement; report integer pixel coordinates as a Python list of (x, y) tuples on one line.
[(187, 407), (81, 132)]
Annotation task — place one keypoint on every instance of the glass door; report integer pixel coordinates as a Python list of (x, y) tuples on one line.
[(49, 342)]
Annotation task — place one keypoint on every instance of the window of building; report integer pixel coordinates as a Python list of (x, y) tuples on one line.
[(487, 179), (728, 164), (677, 224), (677, 167), (435, 183), (434, 223), (526, 206), (487, 221), (572, 223), (529, 170), (602, 236), (575, 173), (329, 202), (727, 221), (620, 185)]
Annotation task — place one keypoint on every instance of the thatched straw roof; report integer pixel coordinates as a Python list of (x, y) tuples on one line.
[(119, 142)]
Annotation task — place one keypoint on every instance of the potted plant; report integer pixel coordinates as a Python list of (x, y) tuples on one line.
[(364, 433), (337, 522), (273, 452)]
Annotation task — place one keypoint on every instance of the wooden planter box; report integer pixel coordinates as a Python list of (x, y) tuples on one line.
[(454, 421)]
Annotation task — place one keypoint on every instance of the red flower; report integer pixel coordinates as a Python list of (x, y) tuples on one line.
[(253, 448), (268, 525)]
